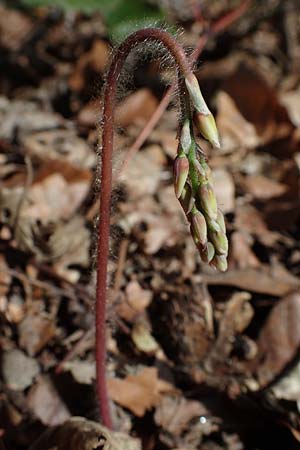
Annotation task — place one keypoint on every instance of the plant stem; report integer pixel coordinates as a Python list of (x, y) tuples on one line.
[(183, 66)]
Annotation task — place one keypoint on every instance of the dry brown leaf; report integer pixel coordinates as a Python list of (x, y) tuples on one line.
[(258, 104), (224, 189), (235, 130), (139, 393), (263, 188), (60, 145), (135, 302), (174, 413), (26, 117), (136, 108), (279, 339), (45, 403), (96, 59), (263, 281), (241, 250), (79, 433), (35, 331), (236, 317), (249, 220), (144, 172)]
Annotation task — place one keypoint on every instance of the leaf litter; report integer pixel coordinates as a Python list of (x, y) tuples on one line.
[(187, 345)]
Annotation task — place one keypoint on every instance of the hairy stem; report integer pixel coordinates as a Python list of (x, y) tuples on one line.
[(183, 67)]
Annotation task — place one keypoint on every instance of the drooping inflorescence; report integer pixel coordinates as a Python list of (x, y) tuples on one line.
[(193, 182)]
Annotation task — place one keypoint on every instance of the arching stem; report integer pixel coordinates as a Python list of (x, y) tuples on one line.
[(183, 67)]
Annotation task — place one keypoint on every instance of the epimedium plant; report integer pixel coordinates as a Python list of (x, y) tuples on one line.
[(192, 181)]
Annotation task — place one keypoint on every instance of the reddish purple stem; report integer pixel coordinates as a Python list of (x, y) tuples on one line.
[(183, 66)]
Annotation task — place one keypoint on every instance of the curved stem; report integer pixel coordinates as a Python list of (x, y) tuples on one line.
[(183, 66)]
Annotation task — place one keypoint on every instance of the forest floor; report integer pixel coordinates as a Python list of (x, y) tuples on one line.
[(197, 359)]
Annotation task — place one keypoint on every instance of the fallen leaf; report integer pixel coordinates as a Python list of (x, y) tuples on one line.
[(263, 188), (136, 108), (224, 190), (279, 339), (236, 317), (44, 402), (95, 59), (83, 372), (144, 172), (241, 250), (261, 280), (79, 433), (35, 331), (174, 413), (18, 369), (60, 145), (139, 393), (135, 302), (235, 130), (142, 337)]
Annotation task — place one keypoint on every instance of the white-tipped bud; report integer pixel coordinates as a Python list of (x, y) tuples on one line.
[(207, 126), (197, 99), (185, 136)]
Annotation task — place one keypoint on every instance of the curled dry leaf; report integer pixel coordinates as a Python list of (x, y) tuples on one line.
[(79, 433), (135, 302), (139, 393), (279, 339), (142, 337), (236, 317)]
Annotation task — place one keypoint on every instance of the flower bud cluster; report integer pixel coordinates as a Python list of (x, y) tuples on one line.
[(195, 192)]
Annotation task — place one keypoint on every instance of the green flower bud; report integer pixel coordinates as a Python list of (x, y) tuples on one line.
[(207, 252), (220, 241), (208, 200), (181, 171), (220, 262), (221, 221), (185, 137), (198, 228), (186, 199), (196, 96), (207, 126)]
